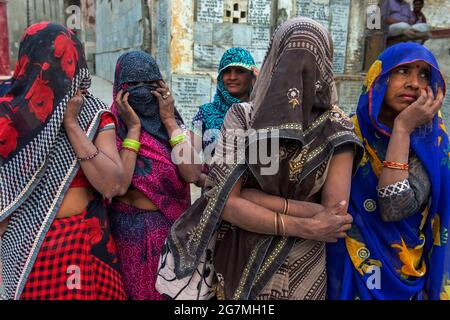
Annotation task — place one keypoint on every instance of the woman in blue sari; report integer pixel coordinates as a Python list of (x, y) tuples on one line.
[(397, 248)]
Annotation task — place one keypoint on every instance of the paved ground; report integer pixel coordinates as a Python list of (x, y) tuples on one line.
[(102, 89)]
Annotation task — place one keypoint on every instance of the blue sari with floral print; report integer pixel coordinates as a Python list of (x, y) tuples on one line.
[(408, 259)]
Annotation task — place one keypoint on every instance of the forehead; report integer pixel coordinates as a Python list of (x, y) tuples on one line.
[(416, 64), (235, 68)]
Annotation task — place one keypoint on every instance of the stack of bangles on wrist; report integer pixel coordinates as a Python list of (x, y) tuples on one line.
[(177, 140), (280, 223), (395, 165), (131, 145)]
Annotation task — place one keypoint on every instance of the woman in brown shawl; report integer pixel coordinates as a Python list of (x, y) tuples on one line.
[(270, 227)]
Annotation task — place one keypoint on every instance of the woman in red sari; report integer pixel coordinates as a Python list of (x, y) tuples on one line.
[(59, 165)]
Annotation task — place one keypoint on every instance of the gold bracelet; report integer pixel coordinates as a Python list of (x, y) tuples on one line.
[(276, 224), (285, 206), (283, 226)]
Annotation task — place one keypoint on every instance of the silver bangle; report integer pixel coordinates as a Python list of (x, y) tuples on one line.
[(393, 189)]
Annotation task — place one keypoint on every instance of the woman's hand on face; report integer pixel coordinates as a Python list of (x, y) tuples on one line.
[(126, 112), (73, 109), (256, 74), (420, 112), (165, 101)]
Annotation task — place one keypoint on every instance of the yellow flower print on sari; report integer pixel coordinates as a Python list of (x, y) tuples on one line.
[(411, 258), (445, 294), (360, 255), (440, 233), (373, 73)]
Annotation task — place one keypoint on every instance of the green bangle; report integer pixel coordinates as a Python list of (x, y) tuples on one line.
[(127, 146), (177, 140), (130, 143)]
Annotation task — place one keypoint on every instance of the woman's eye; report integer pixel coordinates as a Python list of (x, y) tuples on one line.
[(425, 75), (402, 71)]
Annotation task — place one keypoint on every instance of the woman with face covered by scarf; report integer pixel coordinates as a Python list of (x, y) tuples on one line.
[(271, 226), (397, 248), (156, 190), (58, 164)]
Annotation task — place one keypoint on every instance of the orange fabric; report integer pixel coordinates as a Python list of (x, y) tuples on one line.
[(80, 180)]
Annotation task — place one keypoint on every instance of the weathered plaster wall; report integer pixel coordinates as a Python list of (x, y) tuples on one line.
[(438, 16), (120, 28), (189, 37), (19, 17), (88, 31)]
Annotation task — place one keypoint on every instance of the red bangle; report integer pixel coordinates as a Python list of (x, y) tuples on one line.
[(395, 165), (130, 149)]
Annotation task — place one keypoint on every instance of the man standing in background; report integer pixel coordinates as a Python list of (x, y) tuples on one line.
[(399, 21)]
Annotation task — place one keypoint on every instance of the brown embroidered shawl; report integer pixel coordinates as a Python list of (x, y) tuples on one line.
[(292, 103)]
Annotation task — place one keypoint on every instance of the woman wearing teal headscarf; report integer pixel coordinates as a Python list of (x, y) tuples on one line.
[(236, 74), (397, 247)]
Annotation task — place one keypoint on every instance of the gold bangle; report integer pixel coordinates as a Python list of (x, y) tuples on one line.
[(283, 226), (285, 206), (276, 223)]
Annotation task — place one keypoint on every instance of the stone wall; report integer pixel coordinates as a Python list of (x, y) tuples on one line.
[(19, 17), (88, 36), (203, 29), (121, 26), (437, 13)]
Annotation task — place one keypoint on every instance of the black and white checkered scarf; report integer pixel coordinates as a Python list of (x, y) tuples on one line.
[(37, 161)]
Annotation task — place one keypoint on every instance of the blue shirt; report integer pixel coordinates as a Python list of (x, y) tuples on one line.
[(398, 10)]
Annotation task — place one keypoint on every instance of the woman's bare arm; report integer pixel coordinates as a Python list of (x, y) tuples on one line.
[(327, 225), (339, 179), (105, 171), (300, 209)]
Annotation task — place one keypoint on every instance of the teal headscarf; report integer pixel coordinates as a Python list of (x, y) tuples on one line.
[(212, 114)]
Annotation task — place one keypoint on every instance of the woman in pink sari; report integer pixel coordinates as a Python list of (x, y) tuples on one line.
[(155, 190)]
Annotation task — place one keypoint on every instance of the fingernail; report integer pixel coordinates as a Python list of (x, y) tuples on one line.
[(343, 202)]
